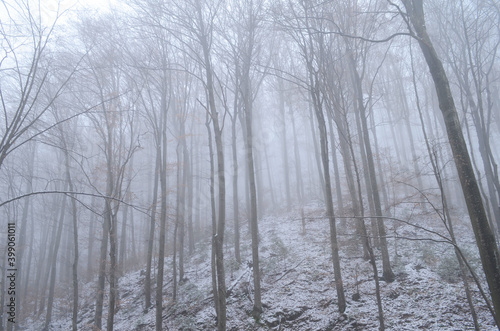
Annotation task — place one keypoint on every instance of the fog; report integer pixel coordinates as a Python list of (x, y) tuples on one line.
[(136, 137)]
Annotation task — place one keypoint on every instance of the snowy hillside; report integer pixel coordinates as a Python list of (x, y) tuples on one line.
[(298, 284)]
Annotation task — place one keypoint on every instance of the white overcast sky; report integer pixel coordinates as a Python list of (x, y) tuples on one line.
[(49, 8)]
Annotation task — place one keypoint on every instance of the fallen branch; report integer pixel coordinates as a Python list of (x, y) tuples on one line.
[(289, 270), (230, 288)]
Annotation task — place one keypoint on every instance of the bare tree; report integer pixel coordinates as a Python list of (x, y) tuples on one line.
[(113, 125), (196, 21), (247, 45), (471, 50), (485, 239), (312, 50), (26, 42)]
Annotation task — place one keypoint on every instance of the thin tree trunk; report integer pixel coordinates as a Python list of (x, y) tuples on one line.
[(357, 200), (184, 163), (213, 257), (317, 103), (347, 156), (23, 229), (269, 177), (366, 177), (317, 153), (113, 277), (284, 147), (132, 237), (122, 254), (90, 260), (258, 180), (221, 278), (383, 186), (43, 271), (27, 282), (298, 170), (53, 266), (329, 209), (188, 170), (152, 225), (178, 222), (257, 304), (219, 147), (75, 240), (163, 212), (386, 264), (101, 278), (410, 136), (338, 189), (236, 210)]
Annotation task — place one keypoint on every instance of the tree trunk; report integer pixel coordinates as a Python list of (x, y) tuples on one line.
[(213, 257), (188, 174), (257, 304), (43, 270), (383, 183), (446, 214), (317, 153), (178, 223), (366, 177), (75, 240), (101, 278), (23, 230), (90, 260), (236, 210), (163, 212), (329, 204), (184, 164), (485, 238), (338, 189), (113, 272), (284, 147), (53, 266), (219, 147), (298, 170), (122, 254), (386, 264), (357, 200), (152, 225)]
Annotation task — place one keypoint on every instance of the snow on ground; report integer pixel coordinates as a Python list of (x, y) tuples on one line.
[(298, 287)]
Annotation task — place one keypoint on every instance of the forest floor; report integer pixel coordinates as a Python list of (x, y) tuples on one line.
[(298, 287)]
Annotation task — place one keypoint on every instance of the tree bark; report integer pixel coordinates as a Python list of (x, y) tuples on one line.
[(163, 210), (284, 147), (329, 204), (298, 168), (485, 238), (53, 266), (152, 225), (386, 264), (213, 213), (236, 207), (257, 304), (101, 278), (219, 147)]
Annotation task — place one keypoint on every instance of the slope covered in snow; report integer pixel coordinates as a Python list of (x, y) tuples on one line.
[(298, 287)]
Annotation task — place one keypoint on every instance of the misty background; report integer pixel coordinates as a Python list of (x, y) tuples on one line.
[(132, 134)]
